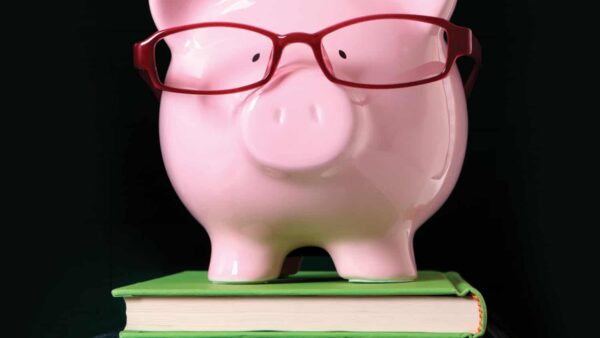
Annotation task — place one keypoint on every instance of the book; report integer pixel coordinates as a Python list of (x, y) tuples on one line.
[(307, 304)]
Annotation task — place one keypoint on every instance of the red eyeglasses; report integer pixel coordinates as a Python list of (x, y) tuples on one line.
[(373, 52)]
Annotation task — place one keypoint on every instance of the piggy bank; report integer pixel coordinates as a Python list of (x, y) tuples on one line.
[(339, 124)]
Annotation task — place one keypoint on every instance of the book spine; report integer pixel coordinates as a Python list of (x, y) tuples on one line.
[(464, 289)]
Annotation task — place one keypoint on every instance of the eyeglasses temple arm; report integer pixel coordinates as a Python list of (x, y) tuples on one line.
[(144, 75), (476, 56), (140, 63)]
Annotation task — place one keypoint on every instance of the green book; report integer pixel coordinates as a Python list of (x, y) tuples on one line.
[(308, 304)]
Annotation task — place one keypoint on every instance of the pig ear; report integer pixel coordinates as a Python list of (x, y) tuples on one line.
[(438, 8), (171, 13)]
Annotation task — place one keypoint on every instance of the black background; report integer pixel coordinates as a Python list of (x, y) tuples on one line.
[(90, 206)]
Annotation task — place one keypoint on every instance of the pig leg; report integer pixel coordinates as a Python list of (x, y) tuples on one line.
[(235, 259), (373, 260)]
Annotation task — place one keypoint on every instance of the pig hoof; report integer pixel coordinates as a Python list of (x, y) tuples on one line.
[(264, 273), (239, 282), (242, 280), (244, 261)]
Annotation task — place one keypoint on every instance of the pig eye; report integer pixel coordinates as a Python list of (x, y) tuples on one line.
[(343, 54), (256, 57)]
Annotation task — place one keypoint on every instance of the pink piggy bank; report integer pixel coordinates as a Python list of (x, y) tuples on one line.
[(340, 124)]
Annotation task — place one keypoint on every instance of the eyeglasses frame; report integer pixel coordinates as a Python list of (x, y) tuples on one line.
[(461, 42)]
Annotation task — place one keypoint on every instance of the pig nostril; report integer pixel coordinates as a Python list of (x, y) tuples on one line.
[(279, 116), (316, 114)]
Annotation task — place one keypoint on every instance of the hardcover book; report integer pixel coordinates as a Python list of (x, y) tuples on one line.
[(308, 304)]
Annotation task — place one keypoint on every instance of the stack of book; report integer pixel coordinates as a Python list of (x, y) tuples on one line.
[(308, 304)]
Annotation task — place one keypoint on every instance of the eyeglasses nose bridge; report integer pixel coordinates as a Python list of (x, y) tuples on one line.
[(306, 38), (283, 41)]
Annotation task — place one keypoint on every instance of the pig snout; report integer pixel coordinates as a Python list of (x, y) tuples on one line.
[(300, 121)]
